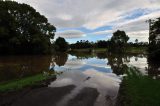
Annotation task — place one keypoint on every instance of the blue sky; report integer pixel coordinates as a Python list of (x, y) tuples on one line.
[(97, 19)]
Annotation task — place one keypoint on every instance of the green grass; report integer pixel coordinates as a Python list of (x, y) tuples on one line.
[(128, 50), (100, 49), (90, 50), (136, 50), (139, 90), (18, 84)]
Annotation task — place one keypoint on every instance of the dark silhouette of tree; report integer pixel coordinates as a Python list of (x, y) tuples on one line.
[(82, 44), (154, 38), (136, 41), (61, 45), (102, 44), (118, 42), (23, 30)]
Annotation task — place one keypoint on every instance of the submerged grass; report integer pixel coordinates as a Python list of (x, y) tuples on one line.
[(139, 90), (18, 84)]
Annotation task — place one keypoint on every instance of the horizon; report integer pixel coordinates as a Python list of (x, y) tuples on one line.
[(93, 20)]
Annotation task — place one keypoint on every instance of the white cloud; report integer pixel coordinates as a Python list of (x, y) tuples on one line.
[(88, 13), (69, 34), (105, 32), (140, 35), (93, 14)]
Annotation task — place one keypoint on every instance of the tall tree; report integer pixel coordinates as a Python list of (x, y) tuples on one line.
[(154, 38), (136, 41), (118, 41), (61, 45), (23, 29)]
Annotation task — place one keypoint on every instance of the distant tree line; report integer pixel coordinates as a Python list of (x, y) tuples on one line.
[(82, 44), (117, 43), (138, 44), (23, 30)]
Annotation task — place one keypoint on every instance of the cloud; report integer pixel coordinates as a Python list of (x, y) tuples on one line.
[(93, 14), (97, 33), (87, 13), (140, 35), (70, 34)]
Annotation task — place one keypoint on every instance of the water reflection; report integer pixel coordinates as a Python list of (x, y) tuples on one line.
[(98, 72), (154, 69), (13, 67), (107, 84), (60, 58)]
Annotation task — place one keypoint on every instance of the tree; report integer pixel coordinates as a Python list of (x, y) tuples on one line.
[(23, 30), (82, 44), (102, 44), (154, 38), (61, 45), (136, 41), (118, 41)]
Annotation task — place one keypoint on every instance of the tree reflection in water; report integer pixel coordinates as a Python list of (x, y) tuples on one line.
[(154, 69), (61, 58)]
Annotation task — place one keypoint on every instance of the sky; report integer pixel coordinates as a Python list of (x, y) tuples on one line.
[(97, 19)]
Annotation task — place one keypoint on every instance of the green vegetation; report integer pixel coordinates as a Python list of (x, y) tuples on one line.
[(82, 44), (138, 50), (118, 42), (61, 45), (23, 30), (154, 39), (90, 50), (18, 84), (139, 90)]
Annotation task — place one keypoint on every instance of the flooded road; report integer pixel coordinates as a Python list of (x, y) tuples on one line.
[(85, 80)]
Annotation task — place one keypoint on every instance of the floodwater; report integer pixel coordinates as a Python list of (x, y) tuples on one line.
[(87, 79)]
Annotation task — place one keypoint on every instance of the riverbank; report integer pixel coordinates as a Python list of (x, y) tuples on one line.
[(137, 50), (138, 90), (133, 50), (89, 50)]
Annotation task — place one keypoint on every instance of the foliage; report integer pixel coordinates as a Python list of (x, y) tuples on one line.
[(139, 90), (154, 38), (24, 82), (23, 30), (102, 44), (61, 45), (137, 44), (118, 42), (82, 44)]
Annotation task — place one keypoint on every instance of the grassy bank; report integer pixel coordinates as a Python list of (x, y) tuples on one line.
[(135, 50), (18, 84), (142, 50), (90, 50), (138, 90)]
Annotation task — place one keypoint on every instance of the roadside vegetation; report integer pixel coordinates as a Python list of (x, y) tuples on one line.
[(138, 90), (19, 84)]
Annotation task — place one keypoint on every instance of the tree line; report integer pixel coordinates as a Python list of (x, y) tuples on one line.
[(154, 39), (119, 40)]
